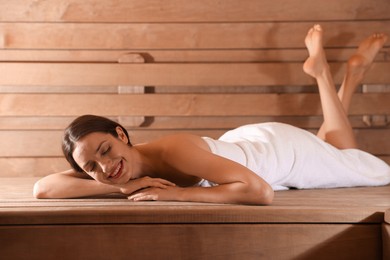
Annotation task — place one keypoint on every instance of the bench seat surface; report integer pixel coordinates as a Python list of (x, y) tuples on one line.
[(346, 205)]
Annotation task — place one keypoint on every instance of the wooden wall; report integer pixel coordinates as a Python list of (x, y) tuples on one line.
[(163, 66)]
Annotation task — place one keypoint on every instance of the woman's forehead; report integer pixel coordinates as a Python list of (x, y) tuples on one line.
[(92, 138), (90, 143)]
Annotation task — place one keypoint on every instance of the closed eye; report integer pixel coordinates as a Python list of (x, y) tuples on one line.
[(93, 165), (106, 151)]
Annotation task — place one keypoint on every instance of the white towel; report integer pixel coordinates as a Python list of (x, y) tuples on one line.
[(289, 157)]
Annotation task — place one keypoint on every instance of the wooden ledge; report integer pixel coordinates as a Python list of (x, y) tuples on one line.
[(349, 205), (387, 216)]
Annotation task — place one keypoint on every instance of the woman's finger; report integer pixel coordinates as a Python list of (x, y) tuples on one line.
[(166, 182), (143, 197)]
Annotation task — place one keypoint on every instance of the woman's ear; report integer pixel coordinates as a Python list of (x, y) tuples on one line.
[(121, 135)]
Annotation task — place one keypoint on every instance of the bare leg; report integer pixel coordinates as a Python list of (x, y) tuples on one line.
[(337, 129), (357, 66)]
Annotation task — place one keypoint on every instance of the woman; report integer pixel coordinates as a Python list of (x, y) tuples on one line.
[(244, 166)]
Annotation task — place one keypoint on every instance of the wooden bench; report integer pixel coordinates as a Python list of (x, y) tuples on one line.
[(300, 224), (203, 67), (386, 235)]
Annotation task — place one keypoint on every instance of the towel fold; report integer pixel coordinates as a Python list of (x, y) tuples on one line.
[(289, 157)]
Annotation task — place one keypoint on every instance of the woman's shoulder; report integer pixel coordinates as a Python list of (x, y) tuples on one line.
[(175, 142), (178, 138)]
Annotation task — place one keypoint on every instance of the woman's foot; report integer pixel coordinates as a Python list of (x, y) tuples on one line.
[(316, 63), (360, 62)]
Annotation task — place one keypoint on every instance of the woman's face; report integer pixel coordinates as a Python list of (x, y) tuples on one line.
[(104, 157)]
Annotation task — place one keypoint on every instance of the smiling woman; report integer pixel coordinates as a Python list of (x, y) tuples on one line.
[(86, 125), (244, 166), (99, 148)]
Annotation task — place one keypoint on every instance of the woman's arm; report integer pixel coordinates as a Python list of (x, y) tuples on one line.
[(70, 184), (234, 193), (188, 154)]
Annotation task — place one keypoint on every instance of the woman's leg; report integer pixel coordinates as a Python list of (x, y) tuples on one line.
[(357, 66), (337, 129)]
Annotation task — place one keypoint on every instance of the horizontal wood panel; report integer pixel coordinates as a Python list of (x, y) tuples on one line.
[(218, 74), (181, 104), (25, 89), (312, 122), (196, 11), (177, 122), (164, 56), (31, 167), (31, 143), (223, 241), (181, 36), (19, 143)]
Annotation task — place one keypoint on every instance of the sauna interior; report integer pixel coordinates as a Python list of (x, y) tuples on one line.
[(172, 66)]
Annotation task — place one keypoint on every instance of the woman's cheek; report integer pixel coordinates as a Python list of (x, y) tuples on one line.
[(96, 177)]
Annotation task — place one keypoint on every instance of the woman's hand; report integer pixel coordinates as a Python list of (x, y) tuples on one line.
[(156, 193), (144, 182)]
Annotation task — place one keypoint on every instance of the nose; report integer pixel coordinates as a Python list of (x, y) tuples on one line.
[(106, 165)]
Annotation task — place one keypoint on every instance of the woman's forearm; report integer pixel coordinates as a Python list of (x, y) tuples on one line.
[(235, 193), (63, 185)]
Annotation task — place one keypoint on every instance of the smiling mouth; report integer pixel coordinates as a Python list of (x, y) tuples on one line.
[(117, 172)]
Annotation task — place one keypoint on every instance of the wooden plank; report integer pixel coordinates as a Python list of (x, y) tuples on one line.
[(179, 123), (142, 36), (197, 11), (347, 205), (374, 141), (167, 89), (386, 238), (60, 89), (174, 123), (224, 241), (218, 74), (32, 167), (204, 122), (43, 143), (168, 56), (17, 143), (385, 158), (387, 218), (181, 104)]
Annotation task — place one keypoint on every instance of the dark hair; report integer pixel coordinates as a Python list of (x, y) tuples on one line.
[(83, 126)]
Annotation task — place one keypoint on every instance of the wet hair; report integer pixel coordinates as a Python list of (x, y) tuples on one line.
[(83, 126)]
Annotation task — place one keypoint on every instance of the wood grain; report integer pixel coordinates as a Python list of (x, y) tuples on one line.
[(364, 205), (223, 241), (213, 65), (222, 74), (386, 237), (173, 123), (181, 104), (196, 36), (187, 56), (197, 11)]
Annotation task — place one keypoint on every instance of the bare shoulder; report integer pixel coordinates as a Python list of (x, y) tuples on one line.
[(176, 157), (177, 142), (181, 152)]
